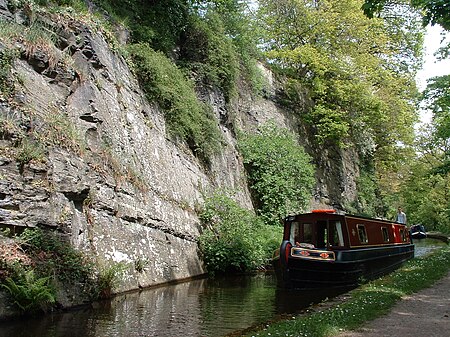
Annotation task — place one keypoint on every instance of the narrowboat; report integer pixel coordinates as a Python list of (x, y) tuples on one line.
[(418, 232), (329, 249)]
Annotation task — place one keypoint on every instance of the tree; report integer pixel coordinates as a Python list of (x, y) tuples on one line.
[(425, 191), (359, 72), (434, 11), (431, 172)]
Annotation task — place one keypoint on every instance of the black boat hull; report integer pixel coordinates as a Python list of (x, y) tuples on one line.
[(349, 268)]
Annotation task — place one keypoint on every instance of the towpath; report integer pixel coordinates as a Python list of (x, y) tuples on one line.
[(423, 314)]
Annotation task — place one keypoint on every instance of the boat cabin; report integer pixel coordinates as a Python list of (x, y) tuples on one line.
[(330, 231)]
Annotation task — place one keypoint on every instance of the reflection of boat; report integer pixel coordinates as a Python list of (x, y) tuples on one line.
[(418, 232), (324, 248)]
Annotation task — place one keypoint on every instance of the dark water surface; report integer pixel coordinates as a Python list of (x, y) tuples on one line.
[(196, 308)]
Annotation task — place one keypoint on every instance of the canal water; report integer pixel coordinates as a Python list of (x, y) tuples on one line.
[(203, 307), (425, 246)]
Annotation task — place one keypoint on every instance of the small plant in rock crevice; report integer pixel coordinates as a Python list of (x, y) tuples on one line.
[(140, 264), (28, 151), (108, 278), (7, 57)]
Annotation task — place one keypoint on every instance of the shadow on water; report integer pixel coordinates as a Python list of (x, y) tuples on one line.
[(202, 307)]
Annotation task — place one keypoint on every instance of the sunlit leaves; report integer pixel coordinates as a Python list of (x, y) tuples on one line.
[(234, 238), (358, 71), (280, 173)]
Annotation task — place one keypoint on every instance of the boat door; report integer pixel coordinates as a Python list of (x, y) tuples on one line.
[(329, 234)]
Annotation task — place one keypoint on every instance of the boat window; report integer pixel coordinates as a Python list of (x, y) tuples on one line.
[(307, 233), (295, 233), (362, 234), (336, 236), (301, 233), (403, 235), (385, 232), (322, 234)]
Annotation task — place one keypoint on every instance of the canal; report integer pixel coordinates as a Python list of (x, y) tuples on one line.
[(203, 307)]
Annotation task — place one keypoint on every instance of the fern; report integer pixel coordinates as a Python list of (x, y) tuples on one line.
[(29, 293)]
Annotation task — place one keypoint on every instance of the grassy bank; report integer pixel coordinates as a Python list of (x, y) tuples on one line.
[(368, 301)]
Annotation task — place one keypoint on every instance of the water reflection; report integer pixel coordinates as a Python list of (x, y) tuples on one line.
[(196, 308)]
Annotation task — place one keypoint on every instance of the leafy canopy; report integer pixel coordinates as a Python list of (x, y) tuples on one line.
[(359, 72), (434, 11)]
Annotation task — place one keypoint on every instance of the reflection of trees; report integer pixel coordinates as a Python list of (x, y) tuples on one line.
[(237, 302), (204, 307)]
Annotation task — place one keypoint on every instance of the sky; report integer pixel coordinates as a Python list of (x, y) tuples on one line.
[(431, 67)]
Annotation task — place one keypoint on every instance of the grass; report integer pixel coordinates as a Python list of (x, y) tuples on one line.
[(368, 301)]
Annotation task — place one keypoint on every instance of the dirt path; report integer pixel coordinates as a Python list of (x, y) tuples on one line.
[(424, 314)]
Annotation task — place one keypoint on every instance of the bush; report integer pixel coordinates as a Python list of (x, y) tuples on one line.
[(186, 117), (234, 239), (52, 256), (280, 173), (107, 280)]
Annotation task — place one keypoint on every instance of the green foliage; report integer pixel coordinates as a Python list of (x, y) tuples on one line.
[(29, 292), (212, 39), (187, 118), (280, 174), (331, 125), (357, 71), (159, 23), (210, 54), (437, 99), (224, 35), (425, 192), (234, 239), (53, 256), (434, 11), (367, 302)]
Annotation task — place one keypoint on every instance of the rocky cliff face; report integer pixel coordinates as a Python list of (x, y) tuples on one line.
[(110, 179)]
